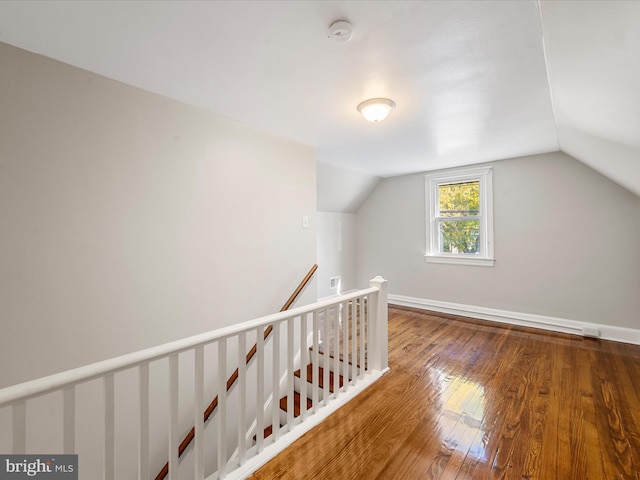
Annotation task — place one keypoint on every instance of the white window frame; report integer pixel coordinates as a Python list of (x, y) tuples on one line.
[(484, 175)]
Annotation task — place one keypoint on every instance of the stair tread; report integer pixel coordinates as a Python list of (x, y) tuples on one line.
[(283, 405), (296, 404), (320, 370), (268, 431), (341, 356)]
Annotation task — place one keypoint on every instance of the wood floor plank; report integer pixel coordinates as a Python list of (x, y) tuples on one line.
[(469, 399), (586, 443), (629, 402), (440, 431), (502, 392), (616, 450), (549, 465)]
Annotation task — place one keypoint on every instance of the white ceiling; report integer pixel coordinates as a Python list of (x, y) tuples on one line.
[(473, 80)]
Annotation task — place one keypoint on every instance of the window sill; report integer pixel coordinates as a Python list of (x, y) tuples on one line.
[(460, 260)]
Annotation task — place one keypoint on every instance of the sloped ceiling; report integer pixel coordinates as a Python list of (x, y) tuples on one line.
[(593, 60), (473, 81)]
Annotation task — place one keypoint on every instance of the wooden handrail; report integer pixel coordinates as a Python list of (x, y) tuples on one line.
[(234, 376)]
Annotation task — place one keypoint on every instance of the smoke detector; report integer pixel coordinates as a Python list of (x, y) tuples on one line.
[(340, 31)]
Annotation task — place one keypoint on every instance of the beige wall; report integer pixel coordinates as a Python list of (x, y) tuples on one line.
[(128, 220), (566, 244)]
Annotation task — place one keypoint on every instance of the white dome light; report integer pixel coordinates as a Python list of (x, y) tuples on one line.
[(376, 109)]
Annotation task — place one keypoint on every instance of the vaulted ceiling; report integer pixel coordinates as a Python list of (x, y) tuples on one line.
[(473, 80)]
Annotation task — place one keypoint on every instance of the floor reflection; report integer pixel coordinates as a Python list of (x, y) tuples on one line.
[(462, 410)]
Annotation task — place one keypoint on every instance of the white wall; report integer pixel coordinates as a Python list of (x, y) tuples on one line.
[(337, 252), (566, 244), (128, 219), (342, 189)]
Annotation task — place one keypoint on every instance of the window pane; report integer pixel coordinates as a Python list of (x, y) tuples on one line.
[(459, 199), (459, 236)]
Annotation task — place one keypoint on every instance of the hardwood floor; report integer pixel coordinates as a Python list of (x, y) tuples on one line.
[(467, 399)]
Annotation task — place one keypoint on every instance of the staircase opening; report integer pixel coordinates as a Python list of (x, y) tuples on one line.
[(306, 363)]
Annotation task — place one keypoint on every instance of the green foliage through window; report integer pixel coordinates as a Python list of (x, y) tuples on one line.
[(459, 208)]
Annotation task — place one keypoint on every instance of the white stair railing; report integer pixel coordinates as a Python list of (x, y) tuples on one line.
[(351, 342)]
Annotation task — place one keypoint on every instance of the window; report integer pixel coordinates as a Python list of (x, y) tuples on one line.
[(460, 216)]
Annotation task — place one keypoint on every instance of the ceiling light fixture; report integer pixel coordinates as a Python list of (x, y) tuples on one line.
[(376, 109)]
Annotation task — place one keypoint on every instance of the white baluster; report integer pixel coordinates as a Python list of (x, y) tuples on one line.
[(326, 348), (260, 390), (69, 419), (173, 417), (143, 427), (365, 305), (304, 351), (314, 362), (109, 427), (290, 354), (242, 396), (336, 351), (345, 346), (198, 407), (275, 410), (19, 424), (222, 408), (354, 341)]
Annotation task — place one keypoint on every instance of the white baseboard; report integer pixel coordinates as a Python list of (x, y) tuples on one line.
[(555, 324)]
